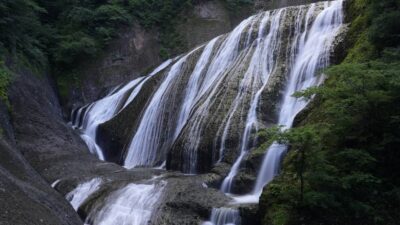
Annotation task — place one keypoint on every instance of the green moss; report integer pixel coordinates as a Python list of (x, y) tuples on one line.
[(280, 216), (5, 80), (357, 13), (362, 50)]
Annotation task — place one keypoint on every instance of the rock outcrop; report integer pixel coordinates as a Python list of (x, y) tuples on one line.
[(26, 198)]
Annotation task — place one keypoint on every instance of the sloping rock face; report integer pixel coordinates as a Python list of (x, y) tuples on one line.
[(42, 136), (26, 198)]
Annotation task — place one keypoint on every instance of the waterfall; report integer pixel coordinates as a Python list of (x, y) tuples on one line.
[(224, 216), (131, 205), (218, 88), (88, 118), (255, 78), (194, 86), (77, 196), (219, 67), (313, 55), (209, 104), (148, 140)]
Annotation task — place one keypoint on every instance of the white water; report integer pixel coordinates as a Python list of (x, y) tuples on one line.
[(55, 183), (131, 205), (106, 108), (201, 88), (224, 216), (77, 196), (194, 86), (220, 65), (314, 49), (255, 79), (147, 141)]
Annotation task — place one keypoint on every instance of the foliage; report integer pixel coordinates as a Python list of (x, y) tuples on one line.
[(21, 30), (157, 13), (343, 166), (57, 35), (69, 31)]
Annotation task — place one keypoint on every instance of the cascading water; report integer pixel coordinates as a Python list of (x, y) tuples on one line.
[(99, 112), (314, 49), (224, 216), (254, 79), (148, 140), (132, 205), (222, 62), (88, 118), (77, 196)]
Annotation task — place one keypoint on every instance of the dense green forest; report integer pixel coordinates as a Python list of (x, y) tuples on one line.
[(343, 166), (65, 32), (56, 35), (68, 31)]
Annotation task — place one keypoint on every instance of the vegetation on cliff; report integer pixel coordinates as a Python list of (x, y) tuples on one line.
[(58, 36), (343, 164), (71, 31)]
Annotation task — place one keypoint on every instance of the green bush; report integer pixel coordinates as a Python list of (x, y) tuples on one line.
[(385, 30)]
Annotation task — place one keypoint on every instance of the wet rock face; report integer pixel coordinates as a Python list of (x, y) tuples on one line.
[(250, 214), (26, 198), (187, 200), (42, 136)]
